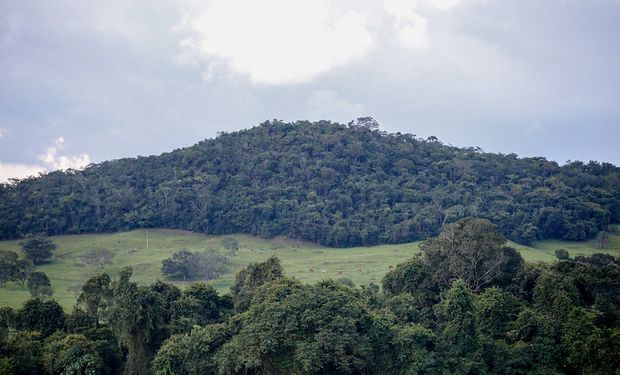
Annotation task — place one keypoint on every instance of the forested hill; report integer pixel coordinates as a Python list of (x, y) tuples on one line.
[(339, 185)]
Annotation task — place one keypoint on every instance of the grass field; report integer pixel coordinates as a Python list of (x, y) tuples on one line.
[(307, 262)]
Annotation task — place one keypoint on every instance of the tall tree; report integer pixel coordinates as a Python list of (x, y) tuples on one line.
[(137, 317), (38, 248), (473, 251), (251, 277), (459, 338), (39, 285)]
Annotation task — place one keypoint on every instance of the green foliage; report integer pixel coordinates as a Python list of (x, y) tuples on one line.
[(414, 277), (8, 266), (192, 353), (414, 351), (251, 277), (186, 265), (460, 334), (496, 310), (71, 354), (80, 321), (38, 248), (96, 296), (137, 318), (562, 254), (198, 305), (556, 294), (24, 354), (13, 269), (471, 250), (39, 285), (602, 239), (45, 317), (304, 329), (338, 185), (7, 319), (230, 244), (108, 349)]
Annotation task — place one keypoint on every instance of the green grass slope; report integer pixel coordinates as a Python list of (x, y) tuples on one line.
[(307, 262)]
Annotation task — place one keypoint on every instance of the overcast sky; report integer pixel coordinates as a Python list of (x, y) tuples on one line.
[(87, 81)]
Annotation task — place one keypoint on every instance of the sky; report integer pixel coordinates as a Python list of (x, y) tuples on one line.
[(86, 81)]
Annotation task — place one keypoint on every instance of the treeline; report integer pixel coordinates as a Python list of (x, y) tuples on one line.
[(466, 305), (338, 185)]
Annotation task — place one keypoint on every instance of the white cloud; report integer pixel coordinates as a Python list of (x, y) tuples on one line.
[(409, 23), (52, 158), (2, 132), (9, 170), (327, 105), (277, 41)]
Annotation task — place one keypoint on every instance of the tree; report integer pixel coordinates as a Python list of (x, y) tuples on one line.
[(8, 266), (198, 305), (473, 251), (583, 343), (39, 285), (562, 254), (230, 244), (496, 310), (137, 319), (38, 248), (71, 354), (7, 319), (96, 296), (192, 353), (251, 277), (602, 239), (459, 338), (45, 317), (292, 328), (186, 265), (23, 354), (414, 277)]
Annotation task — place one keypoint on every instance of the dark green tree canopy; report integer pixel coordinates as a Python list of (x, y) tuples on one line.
[(38, 248), (45, 317), (251, 277), (185, 265), (473, 251), (39, 285)]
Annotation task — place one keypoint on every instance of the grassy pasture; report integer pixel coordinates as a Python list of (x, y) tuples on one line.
[(308, 262)]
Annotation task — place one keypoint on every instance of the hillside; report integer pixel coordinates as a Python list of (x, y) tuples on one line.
[(71, 267), (337, 185)]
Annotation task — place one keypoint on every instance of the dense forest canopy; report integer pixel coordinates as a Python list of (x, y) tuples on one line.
[(339, 185)]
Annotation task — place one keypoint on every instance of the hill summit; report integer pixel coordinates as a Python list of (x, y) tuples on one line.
[(335, 184)]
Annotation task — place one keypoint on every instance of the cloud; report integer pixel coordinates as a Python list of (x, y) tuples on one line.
[(2, 132), (326, 105), (276, 42), (9, 170), (52, 158), (409, 23)]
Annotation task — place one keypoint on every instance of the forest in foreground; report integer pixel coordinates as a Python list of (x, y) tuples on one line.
[(467, 304), (337, 185)]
